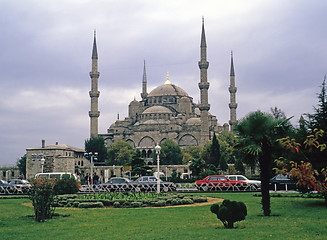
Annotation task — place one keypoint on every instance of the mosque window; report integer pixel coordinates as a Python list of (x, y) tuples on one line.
[(82, 163), (147, 142), (188, 140)]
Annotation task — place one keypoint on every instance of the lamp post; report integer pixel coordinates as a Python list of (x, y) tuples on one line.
[(158, 148), (42, 163), (35, 157), (91, 156)]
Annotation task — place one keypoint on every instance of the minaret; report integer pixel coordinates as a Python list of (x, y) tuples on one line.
[(94, 93), (204, 86), (232, 91), (144, 93)]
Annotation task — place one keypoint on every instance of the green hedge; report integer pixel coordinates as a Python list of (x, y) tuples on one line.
[(91, 200)]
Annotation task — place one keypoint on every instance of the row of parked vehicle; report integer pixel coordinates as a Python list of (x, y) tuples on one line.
[(142, 184), (15, 186)]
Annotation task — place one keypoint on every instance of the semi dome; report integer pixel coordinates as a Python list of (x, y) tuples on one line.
[(157, 109), (167, 90)]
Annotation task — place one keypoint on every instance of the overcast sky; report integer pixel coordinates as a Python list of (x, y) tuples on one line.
[(279, 52)]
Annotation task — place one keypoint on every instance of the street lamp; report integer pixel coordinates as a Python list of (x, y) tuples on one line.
[(158, 148), (42, 163), (35, 157), (91, 156)]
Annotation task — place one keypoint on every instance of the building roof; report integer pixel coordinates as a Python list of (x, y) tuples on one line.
[(167, 90), (58, 147)]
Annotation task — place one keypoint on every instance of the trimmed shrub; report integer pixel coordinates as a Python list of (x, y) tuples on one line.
[(116, 204), (229, 212), (160, 203), (90, 205), (186, 201), (136, 204)]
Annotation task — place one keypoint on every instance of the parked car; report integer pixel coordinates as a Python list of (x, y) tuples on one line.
[(118, 180), (281, 181), (218, 182), (255, 183), (4, 183), (116, 184), (20, 186), (20, 182), (149, 183)]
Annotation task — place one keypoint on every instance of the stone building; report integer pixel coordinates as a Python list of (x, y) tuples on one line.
[(54, 158), (167, 112)]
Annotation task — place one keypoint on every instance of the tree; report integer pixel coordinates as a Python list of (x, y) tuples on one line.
[(120, 153), (308, 178), (277, 113), (190, 152), (170, 154), (205, 152), (138, 165), (318, 120), (197, 165), (239, 166), (21, 164), (257, 134), (96, 144), (215, 152)]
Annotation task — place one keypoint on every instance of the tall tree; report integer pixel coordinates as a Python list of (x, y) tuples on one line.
[(170, 154), (277, 113), (215, 152), (21, 164), (138, 164), (120, 153), (318, 120), (197, 166), (257, 134), (96, 144)]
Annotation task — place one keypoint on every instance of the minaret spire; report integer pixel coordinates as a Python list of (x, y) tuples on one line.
[(144, 93), (232, 91), (94, 93), (204, 86)]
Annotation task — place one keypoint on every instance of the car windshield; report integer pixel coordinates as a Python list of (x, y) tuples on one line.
[(119, 180)]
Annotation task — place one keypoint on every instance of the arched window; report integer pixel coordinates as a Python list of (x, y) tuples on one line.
[(131, 142), (149, 154), (187, 140), (147, 142), (143, 154)]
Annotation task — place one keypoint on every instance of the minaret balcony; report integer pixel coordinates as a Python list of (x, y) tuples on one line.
[(94, 113), (94, 93), (203, 64), (232, 89), (204, 85), (204, 107), (94, 75), (232, 105)]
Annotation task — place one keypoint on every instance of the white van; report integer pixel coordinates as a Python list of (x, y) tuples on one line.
[(55, 175)]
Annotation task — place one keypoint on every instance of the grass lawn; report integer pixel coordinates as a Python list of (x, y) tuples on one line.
[(294, 218)]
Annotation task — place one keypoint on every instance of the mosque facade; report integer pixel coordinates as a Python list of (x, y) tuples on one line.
[(166, 112)]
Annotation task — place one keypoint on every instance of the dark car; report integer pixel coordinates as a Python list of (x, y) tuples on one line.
[(218, 183), (281, 181), (5, 187), (149, 184), (116, 184)]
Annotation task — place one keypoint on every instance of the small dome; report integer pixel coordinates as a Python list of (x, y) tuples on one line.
[(167, 90), (157, 109), (193, 121), (134, 102)]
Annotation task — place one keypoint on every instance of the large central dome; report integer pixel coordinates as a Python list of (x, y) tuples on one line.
[(168, 90)]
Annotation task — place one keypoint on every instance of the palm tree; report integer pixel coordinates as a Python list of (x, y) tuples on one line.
[(257, 134)]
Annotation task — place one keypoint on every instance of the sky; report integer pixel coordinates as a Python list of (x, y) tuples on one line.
[(279, 50)]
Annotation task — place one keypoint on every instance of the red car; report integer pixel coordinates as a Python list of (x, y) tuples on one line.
[(219, 182)]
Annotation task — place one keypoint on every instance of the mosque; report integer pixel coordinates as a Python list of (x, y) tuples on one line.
[(166, 112)]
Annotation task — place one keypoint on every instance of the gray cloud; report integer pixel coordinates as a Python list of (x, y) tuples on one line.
[(279, 56)]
